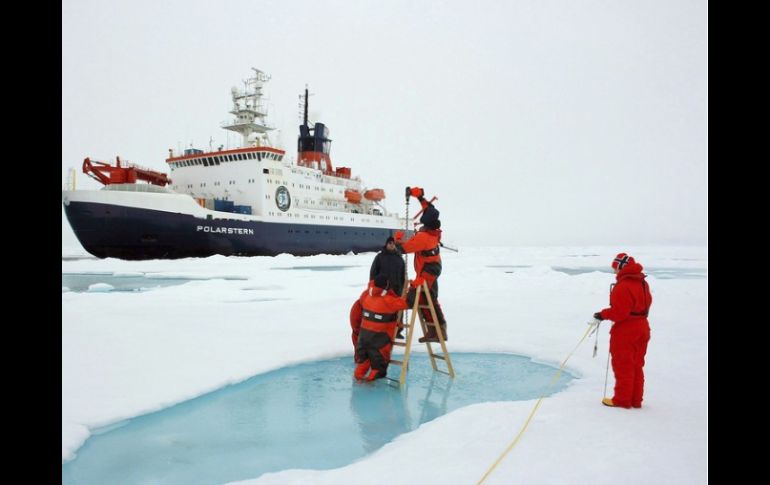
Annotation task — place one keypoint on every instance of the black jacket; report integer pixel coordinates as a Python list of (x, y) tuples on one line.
[(389, 263)]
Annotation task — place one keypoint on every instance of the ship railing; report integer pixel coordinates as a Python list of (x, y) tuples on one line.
[(131, 187), (137, 166), (340, 180), (257, 127)]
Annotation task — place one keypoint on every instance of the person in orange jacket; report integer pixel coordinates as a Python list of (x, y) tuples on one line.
[(357, 312), (380, 307), (426, 245), (630, 301)]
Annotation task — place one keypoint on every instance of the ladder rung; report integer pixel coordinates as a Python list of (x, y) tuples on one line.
[(426, 322)]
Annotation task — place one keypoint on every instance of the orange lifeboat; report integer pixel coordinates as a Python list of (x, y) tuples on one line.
[(374, 194), (353, 196)]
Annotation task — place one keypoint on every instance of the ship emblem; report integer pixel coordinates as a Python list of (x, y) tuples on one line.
[(282, 198)]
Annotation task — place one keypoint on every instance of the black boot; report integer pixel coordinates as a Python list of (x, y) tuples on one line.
[(429, 337), (432, 336)]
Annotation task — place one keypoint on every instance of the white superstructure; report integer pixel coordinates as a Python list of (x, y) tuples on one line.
[(262, 178)]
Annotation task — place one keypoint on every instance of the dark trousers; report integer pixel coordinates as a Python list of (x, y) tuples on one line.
[(432, 282)]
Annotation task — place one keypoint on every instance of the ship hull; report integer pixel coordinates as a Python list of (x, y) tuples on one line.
[(116, 231)]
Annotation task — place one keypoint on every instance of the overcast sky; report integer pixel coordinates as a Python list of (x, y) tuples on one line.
[(535, 122)]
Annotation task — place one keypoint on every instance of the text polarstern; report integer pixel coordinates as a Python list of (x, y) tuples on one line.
[(225, 230)]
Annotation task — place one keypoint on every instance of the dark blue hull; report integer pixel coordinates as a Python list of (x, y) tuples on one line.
[(112, 231)]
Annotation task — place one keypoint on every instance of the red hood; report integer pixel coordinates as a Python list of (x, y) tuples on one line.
[(631, 270)]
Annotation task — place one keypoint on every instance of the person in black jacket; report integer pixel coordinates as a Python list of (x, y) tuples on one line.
[(390, 263)]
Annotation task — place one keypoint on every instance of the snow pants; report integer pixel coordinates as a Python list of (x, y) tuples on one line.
[(628, 346), (376, 347), (432, 281)]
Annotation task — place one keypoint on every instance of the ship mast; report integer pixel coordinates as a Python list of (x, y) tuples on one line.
[(250, 112)]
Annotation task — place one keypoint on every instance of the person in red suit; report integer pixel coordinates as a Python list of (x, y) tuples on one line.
[(630, 301), (357, 312), (426, 245), (380, 307)]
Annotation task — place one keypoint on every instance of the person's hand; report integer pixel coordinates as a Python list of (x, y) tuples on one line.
[(417, 282), (598, 316), (398, 236), (416, 192)]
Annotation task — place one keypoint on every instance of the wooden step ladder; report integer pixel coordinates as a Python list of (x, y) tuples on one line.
[(410, 327)]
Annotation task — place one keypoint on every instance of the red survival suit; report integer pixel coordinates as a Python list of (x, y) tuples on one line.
[(630, 301), (379, 309)]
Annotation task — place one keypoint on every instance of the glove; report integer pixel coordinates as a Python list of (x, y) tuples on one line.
[(598, 316), (416, 192), (398, 236), (417, 282)]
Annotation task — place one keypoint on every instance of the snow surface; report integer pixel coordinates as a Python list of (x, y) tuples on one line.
[(129, 353)]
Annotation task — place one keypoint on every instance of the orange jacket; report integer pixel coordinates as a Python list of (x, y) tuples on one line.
[(357, 310), (422, 244), (379, 311)]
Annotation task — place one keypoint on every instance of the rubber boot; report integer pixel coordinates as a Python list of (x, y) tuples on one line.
[(374, 374), (362, 369)]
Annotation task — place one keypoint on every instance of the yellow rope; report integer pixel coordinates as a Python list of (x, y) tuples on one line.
[(534, 410)]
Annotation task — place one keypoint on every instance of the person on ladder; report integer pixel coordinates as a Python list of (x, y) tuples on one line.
[(425, 245), (380, 308)]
